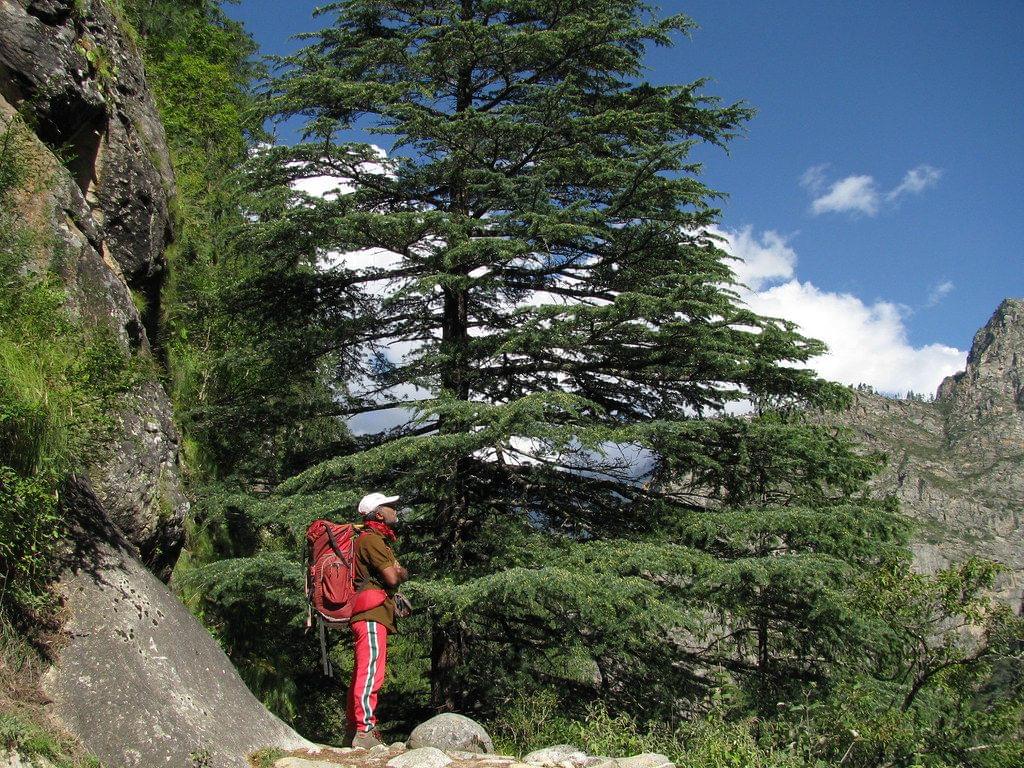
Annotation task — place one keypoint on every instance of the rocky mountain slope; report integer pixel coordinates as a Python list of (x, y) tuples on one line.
[(137, 679), (957, 464)]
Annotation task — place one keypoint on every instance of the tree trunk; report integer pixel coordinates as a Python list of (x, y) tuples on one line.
[(446, 657), (447, 643)]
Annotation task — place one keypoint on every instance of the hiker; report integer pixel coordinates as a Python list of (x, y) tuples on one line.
[(377, 576)]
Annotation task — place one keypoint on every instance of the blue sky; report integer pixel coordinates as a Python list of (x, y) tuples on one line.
[(876, 196)]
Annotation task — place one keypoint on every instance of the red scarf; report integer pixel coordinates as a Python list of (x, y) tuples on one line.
[(383, 529)]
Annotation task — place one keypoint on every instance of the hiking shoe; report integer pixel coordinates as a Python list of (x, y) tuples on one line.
[(366, 740)]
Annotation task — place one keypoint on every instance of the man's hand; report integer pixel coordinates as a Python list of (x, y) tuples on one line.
[(394, 575)]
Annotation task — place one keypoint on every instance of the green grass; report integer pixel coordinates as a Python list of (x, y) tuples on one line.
[(265, 758)]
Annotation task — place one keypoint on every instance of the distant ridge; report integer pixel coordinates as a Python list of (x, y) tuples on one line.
[(957, 464)]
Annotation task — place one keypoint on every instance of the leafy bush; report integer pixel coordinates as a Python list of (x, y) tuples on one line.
[(532, 722)]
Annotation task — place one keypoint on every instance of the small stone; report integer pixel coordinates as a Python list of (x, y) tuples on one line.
[(557, 755), (646, 760), (378, 750), (424, 757), (397, 747)]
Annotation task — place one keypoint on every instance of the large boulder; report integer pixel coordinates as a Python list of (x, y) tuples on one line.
[(139, 681), (452, 733)]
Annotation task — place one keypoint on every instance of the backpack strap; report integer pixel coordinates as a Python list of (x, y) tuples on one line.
[(334, 546)]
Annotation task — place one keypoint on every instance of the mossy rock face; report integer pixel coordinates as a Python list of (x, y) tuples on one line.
[(83, 82), (97, 201), (137, 474)]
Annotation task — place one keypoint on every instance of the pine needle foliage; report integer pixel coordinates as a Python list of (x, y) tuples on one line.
[(572, 342)]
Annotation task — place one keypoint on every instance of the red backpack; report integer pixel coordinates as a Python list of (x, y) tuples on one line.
[(330, 577)]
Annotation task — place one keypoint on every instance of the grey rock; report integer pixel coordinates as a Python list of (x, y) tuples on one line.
[(138, 480), (646, 760), (955, 464), (424, 757), (451, 732), (557, 755), (480, 759), (140, 682)]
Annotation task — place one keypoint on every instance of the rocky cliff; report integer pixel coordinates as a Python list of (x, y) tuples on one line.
[(957, 464), (103, 187), (138, 681)]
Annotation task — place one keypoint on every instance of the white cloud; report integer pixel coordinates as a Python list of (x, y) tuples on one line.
[(854, 194), (859, 194), (762, 260), (867, 342), (322, 186), (814, 177), (939, 292), (916, 180)]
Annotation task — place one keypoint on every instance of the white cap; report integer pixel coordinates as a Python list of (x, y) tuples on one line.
[(371, 501)]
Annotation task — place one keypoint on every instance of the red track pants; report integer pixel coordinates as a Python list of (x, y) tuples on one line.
[(371, 645)]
